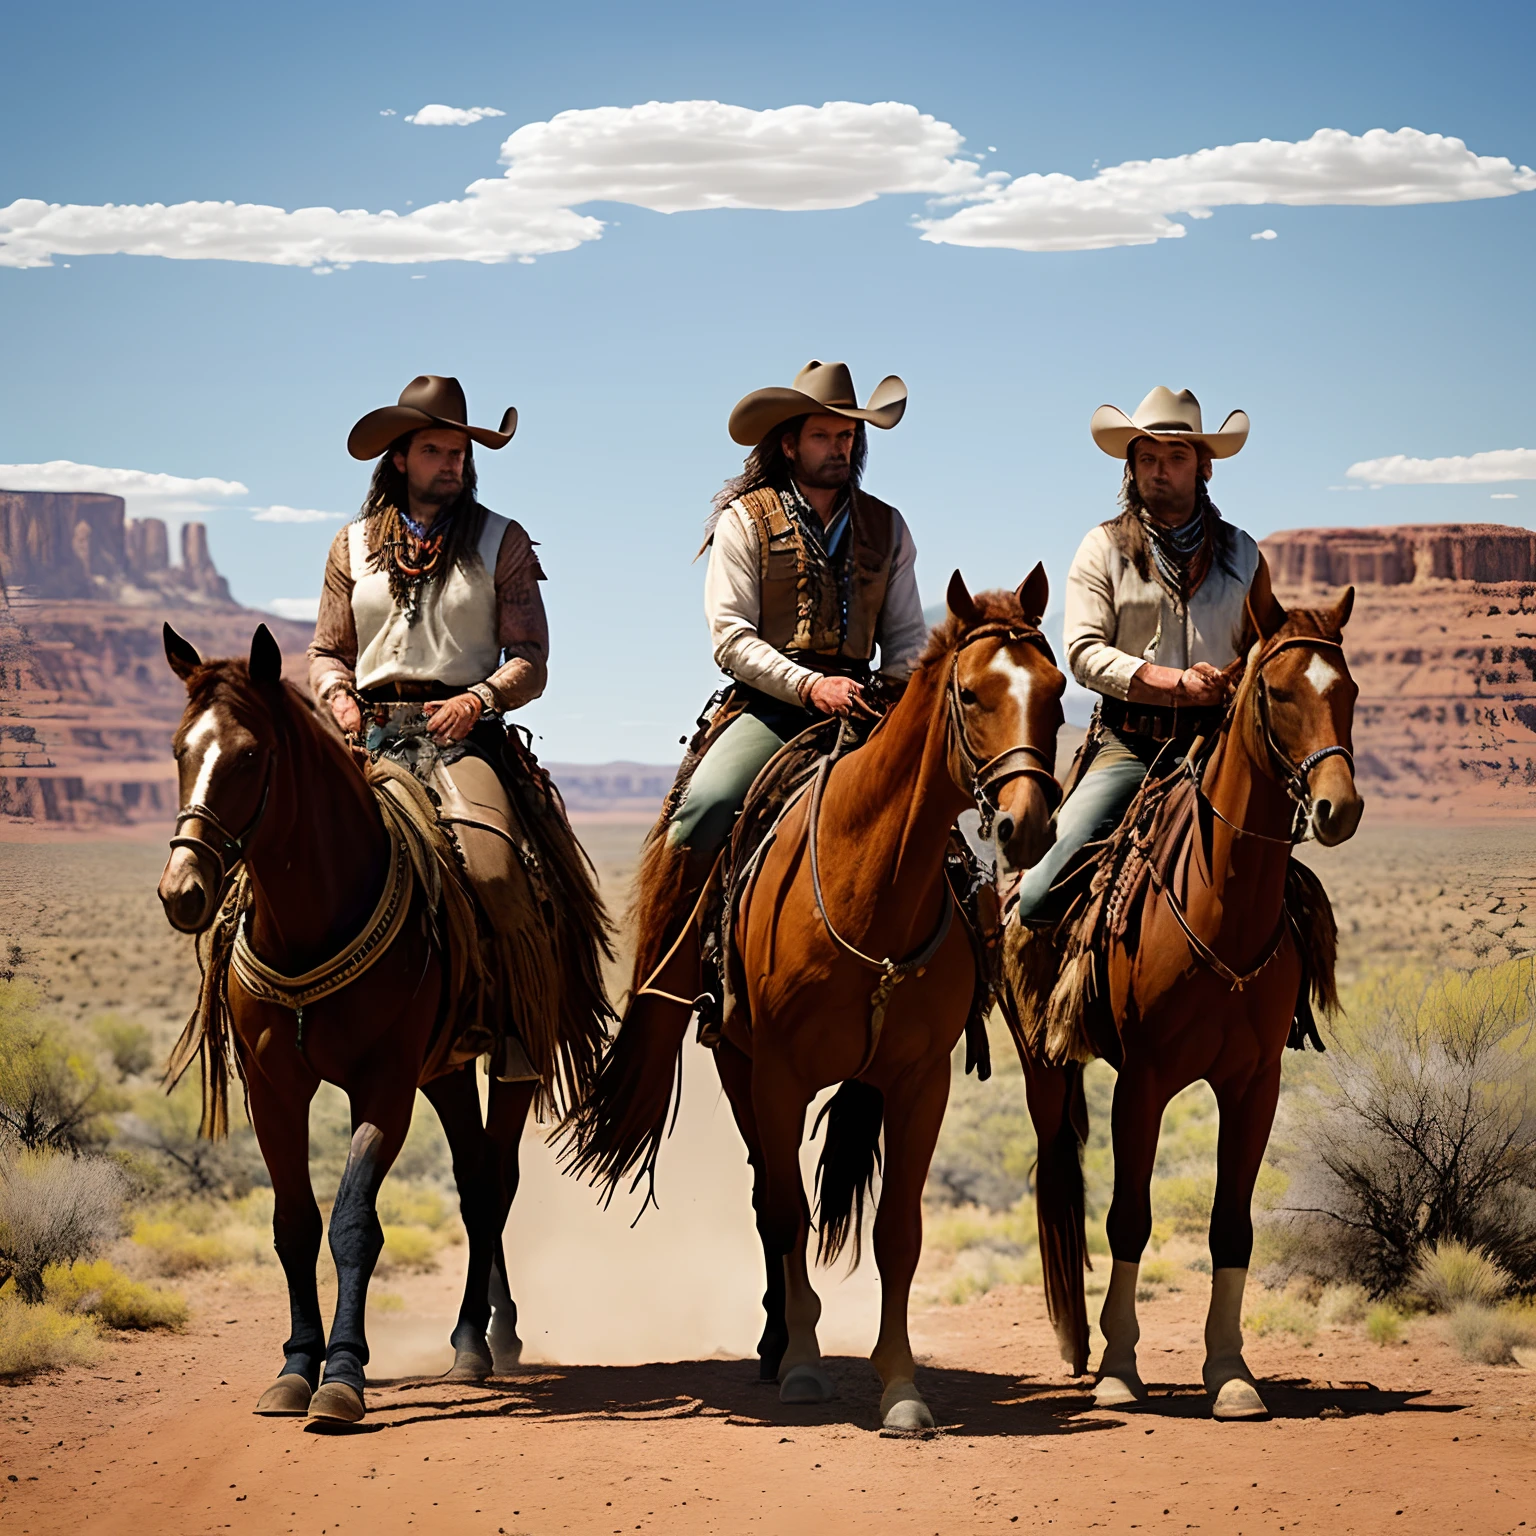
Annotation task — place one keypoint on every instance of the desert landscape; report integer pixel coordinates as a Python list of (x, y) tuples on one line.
[(636, 1407)]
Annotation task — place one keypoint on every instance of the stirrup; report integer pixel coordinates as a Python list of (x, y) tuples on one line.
[(711, 1012)]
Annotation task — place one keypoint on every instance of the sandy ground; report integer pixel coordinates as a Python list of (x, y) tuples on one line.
[(595, 1436)]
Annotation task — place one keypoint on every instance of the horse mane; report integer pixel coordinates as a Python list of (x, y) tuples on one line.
[(998, 607)]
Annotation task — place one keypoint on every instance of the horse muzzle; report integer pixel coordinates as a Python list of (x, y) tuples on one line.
[(1022, 827), (186, 893), (1336, 804)]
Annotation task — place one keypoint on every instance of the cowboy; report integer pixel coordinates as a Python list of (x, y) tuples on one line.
[(431, 628), (1157, 602)]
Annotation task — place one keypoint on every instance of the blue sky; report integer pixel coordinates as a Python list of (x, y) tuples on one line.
[(1357, 333)]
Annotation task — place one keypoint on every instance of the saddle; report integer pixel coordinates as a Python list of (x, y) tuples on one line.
[(1055, 971)]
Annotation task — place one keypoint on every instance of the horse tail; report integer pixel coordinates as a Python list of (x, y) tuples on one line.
[(850, 1158), (621, 1122), (1060, 1113)]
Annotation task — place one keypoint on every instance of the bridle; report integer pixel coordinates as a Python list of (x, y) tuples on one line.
[(988, 775), (229, 853)]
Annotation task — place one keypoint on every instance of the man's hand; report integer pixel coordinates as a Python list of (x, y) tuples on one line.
[(453, 719), (838, 696), (1202, 685), (348, 716)]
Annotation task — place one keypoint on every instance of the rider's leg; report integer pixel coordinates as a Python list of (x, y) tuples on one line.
[(720, 783), (1093, 810)]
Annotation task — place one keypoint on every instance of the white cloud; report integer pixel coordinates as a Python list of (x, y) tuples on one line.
[(300, 608), (436, 115), (666, 156), (1133, 203), (387, 112), (1504, 496), (1473, 469), (1264, 234), (674, 157), (282, 514), (147, 494)]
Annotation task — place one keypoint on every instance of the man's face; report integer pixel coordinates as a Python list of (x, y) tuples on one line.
[(434, 465), (823, 455), (1166, 475)]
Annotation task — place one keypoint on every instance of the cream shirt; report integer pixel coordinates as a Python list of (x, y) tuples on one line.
[(733, 606), (1116, 622)]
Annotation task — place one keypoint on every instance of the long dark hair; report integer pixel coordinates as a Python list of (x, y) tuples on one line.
[(389, 496), (1219, 530), (768, 466)]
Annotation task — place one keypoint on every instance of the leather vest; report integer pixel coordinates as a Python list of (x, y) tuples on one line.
[(802, 607)]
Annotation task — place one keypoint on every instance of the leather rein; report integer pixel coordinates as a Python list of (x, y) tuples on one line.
[(229, 854), (987, 778)]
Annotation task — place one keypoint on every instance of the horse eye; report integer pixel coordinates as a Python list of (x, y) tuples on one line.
[(967, 696)]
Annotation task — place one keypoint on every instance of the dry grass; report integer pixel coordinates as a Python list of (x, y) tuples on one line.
[(41, 1338), (1384, 1324), (99, 1289), (1451, 1275), (54, 1209), (1286, 1312), (1491, 1335)]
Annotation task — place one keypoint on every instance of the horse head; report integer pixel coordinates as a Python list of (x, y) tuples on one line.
[(1005, 705), (1303, 703), (225, 753)]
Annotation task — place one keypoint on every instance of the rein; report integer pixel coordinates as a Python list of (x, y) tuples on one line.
[(231, 855), (987, 777)]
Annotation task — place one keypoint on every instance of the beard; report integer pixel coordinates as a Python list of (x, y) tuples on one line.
[(1165, 504), (830, 475), (439, 490)]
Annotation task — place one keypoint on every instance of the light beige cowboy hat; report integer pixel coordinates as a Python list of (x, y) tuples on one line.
[(820, 389), (1168, 417), (427, 401)]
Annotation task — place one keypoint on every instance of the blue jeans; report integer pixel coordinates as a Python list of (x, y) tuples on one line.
[(1093, 810)]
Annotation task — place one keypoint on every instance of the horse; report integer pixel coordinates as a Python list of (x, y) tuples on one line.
[(853, 871), (1208, 967), (350, 972)]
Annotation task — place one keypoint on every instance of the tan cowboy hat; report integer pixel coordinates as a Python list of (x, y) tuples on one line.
[(427, 401), (1168, 417), (821, 389)]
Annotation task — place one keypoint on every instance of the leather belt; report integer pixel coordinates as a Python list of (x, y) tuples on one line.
[(411, 692), (1157, 722)]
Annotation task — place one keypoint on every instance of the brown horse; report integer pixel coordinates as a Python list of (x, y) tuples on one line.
[(1202, 983), (265, 785), (856, 974)]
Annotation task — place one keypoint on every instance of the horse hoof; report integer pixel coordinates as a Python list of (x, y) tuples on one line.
[(903, 1411), (287, 1397), (469, 1365), (1239, 1399), (1118, 1391), (336, 1403), (804, 1384), (506, 1347)]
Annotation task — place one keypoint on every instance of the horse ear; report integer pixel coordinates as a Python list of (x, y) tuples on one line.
[(181, 654), (1344, 607), (960, 601), (266, 658), (1034, 592)]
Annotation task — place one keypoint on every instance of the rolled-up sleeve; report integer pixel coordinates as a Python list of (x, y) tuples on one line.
[(902, 630), (733, 606), (1090, 625)]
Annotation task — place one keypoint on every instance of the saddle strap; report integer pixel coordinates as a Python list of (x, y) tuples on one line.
[(1204, 952)]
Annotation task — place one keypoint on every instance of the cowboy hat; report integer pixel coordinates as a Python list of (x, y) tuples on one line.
[(820, 389), (1168, 417), (427, 401)]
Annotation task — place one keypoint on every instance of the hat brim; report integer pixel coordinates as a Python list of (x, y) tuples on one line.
[(378, 429), (1114, 432), (757, 414)]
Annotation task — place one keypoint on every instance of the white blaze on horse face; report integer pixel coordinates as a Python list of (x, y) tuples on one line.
[(1017, 675), (204, 729), (1322, 674)]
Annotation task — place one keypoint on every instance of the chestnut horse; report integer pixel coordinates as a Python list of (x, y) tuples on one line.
[(265, 784), (855, 973), (1208, 990)]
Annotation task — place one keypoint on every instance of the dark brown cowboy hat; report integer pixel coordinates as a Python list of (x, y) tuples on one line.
[(820, 389), (427, 401)]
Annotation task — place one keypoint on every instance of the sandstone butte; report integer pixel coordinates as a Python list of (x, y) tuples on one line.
[(1442, 644)]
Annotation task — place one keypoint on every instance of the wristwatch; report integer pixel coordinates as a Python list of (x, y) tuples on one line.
[(487, 696)]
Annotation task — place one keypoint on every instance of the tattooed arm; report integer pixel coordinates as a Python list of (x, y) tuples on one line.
[(521, 626)]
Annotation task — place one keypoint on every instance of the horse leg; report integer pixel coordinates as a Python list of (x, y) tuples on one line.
[(1137, 1119), (381, 1115), (281, 1123), (509, 1104), (457, 1103), (914, 1111), (1246, 1116), (735, 1070), (778, 1106)]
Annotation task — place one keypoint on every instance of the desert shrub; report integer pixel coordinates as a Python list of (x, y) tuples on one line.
[(54, 1209), (1384, 1323), (164, 1128), (41, 1338), (1421, 1134), (1447, 1274), (98, 1288), (1341, 1306), (408, 1247), (408, 1204), (1490, 1335), (1286, 1312), (128, 1045), (51, 1098)]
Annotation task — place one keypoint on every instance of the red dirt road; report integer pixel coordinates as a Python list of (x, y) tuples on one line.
[(160, 1439)]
